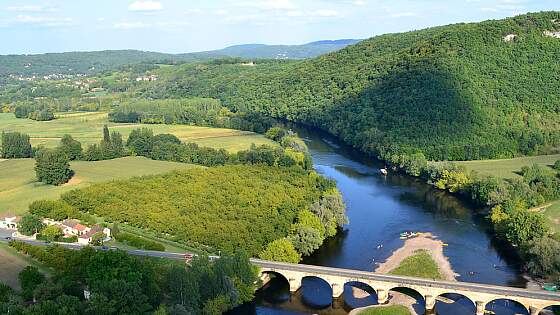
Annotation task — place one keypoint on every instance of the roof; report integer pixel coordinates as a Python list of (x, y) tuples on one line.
[(80, 227), (70, 223)]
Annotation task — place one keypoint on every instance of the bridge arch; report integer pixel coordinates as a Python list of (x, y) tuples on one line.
[(316, 291), (506, 307), (449, 303), (551, 309), (359, 294), (419, 304), (276, 287)]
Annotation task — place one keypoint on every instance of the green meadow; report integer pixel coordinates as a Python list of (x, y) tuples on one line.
[(87, 128), (508, 168), (19, 186)]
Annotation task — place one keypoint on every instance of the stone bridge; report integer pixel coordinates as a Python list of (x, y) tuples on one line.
[(480, 294)]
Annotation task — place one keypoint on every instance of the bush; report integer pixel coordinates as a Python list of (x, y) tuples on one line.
[(138, 242), (281, 250), (557, 165)]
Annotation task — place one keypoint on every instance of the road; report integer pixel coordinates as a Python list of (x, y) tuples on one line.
[(353, 274)]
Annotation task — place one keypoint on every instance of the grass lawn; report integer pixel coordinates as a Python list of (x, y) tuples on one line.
[(87, 128), (508, 168), (553, 214), (19, 186), (12, 263), (420, 265), (386, 310)]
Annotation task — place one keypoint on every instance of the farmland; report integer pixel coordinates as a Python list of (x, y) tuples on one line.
[(19, 187), (87, 128), (508, 168)]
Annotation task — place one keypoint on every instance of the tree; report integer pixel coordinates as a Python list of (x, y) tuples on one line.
[(29, 279), (525, 226), (30, 224), (305, 239), (281, 250), (184, 288), (557, 165), (72, 148), (15, 145), (52, 167), (140, 141), (51, 233), (543, 257), (97, 238)]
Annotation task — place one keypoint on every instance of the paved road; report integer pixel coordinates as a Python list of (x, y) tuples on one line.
[(354, 274)]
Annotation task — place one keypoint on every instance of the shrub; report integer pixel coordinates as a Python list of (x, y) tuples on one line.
[(138, 242)]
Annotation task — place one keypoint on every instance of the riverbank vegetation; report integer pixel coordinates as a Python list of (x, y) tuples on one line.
[(421, 265), (117, 283)]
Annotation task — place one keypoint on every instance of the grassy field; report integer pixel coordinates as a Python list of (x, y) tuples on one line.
[(552, 212), (12, 263), (87, 128), (386, 310), (19, 186), (420, 265), (508, 168)]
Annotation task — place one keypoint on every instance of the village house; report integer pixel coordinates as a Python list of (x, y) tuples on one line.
[(9, 221), (71, 227), (87, 237)]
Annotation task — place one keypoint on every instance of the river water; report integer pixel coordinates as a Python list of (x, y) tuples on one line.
[(379, 209)]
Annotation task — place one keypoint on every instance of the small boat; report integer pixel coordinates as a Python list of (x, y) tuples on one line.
[(407, 235), (383, 171), (550, 287), (444, 244)]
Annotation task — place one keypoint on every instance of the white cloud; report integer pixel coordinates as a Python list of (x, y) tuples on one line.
[(26, 8), (145, 6), (42, 20), (221, 12), (267, 4), (326, 13), (359, 2), (130, 25)]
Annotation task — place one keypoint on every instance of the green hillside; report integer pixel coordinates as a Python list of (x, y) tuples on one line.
[(99, 61), (456, 92)]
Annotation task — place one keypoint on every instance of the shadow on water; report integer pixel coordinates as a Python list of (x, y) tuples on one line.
[(379, 209)]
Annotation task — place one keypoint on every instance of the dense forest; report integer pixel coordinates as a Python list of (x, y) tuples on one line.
[(455, 92), (94, 282), (228, 208)]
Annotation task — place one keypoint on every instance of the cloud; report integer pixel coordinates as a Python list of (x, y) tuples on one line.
[(267, 4), (42, 20), (130, 25), (145, 6), (359, 2), (326, 13), (31, 8)]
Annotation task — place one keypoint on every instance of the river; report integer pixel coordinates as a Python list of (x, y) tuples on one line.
[(379, 209)]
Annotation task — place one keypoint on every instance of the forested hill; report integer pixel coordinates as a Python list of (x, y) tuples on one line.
[(99, 61), (464, 91)]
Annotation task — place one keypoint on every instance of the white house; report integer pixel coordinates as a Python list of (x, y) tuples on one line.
[(74, 227), (9, 221), (86, 238)]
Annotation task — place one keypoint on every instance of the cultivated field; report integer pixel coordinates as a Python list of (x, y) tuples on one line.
[(508, 168), (87, 128), (19, 186)]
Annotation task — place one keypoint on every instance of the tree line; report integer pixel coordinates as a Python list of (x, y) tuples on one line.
[(112, 282)]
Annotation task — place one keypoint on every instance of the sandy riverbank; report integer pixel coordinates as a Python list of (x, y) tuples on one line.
[(424, 241)]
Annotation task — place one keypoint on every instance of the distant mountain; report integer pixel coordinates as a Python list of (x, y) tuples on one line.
[(309, 50), (99, 61)]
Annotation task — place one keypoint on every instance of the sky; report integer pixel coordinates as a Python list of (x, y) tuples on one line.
[(177, 26)]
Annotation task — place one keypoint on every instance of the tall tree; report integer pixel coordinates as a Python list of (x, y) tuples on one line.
[(30, 224), (52, 167), (72, 148), (15, 145)]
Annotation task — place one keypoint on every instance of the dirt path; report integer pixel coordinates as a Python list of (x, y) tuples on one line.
[(424, 241)]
